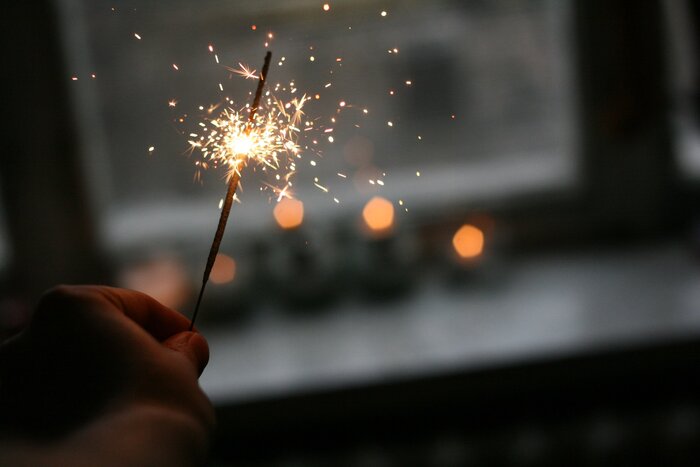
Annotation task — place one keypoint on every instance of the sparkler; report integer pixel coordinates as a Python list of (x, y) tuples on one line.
[(240, 145)]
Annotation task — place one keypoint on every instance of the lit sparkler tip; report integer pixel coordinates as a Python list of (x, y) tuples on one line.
[(235, 158)]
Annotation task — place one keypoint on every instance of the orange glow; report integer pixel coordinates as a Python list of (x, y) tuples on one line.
[(378, 214), (163, 278), (468, 241), (289, 213), (224, 269)]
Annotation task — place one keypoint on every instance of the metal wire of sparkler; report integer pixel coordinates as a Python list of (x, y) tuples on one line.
[(232, 186)]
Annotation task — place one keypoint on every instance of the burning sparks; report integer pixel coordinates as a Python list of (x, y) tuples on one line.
[(243, 71), (269, 141), (279, 136)]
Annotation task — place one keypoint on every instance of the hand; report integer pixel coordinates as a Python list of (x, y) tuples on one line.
[(103, 376)]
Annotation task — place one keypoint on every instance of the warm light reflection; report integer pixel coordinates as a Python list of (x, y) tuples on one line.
[(289, 213), (468, 241), (378, 214), (163, 278), (224, 269)]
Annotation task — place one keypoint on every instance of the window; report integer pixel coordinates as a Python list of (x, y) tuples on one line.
[(467, 104), (477, 95)]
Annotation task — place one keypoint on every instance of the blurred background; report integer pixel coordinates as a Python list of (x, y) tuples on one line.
[(507, 274)]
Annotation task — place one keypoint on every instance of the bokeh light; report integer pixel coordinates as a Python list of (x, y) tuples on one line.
[(289, 213), (468, 241), (378, 214), (224, 269), (162, 277)]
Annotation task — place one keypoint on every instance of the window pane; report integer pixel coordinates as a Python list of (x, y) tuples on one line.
[(477, 95)]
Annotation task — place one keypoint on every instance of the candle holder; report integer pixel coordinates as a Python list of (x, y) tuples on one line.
[(303, 269)]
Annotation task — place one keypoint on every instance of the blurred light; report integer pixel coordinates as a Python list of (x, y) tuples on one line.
[(378, 214), (224, 269), (468, 241), (163, 278), (289, 213), (241, 145)]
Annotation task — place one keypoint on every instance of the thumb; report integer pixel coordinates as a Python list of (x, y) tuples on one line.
[(192, 345)]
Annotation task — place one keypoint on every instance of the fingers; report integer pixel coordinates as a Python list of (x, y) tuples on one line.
[(193, 346), (157, 319), (160, 321), (163, 323)]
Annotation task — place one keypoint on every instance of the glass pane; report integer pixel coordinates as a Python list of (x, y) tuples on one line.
[(476, 93)]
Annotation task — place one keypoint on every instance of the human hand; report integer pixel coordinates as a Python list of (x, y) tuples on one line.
[(103, 376)]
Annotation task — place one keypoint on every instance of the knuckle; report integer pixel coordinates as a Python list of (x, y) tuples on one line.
[(59, 302), (59, 293)]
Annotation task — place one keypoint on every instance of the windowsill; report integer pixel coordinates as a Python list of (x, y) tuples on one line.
[(541, 307)]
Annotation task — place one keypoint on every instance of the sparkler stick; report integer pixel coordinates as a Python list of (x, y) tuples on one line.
[(232, 186)]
